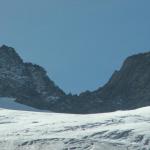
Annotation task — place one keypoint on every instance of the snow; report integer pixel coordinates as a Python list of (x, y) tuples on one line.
[(26, 128), (9, 103)]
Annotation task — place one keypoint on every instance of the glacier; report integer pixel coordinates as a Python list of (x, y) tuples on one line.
[(26, 128)]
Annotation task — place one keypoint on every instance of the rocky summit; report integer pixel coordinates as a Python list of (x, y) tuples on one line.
[(26, 82), (128, 88)]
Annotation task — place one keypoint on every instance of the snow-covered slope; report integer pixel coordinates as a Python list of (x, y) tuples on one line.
[(32, 130), (9, 103)]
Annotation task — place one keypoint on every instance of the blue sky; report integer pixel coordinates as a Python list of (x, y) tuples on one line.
[(79, 42)]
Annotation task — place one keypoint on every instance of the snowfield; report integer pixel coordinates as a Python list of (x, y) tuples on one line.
[(26, 128)]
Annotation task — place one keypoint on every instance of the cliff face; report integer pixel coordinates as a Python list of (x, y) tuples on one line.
[(128, 88), (27, 82)]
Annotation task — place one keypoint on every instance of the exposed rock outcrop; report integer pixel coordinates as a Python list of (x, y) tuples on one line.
[(128, 88), (27, 82)]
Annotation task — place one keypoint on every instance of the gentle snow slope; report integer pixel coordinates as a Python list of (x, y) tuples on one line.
[(32, 130), (9, 103)]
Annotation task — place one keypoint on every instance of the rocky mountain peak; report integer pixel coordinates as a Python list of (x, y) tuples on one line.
[(137, 59), (8, 55), (26, 82), (128, 87)]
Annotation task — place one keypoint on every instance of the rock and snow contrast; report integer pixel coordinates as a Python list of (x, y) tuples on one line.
[(128, 88), (26, 82), (26, 128), (28, 118)]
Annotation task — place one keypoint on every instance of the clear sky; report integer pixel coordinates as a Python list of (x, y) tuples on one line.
[(79, 42)]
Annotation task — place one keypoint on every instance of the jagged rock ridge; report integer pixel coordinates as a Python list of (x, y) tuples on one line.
[(26, 82), (128, 88)]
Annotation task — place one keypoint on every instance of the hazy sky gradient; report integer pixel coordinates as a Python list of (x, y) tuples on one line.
[(79, 42)]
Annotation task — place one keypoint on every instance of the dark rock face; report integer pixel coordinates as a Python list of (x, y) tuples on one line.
[(128, 88), (25, 81)]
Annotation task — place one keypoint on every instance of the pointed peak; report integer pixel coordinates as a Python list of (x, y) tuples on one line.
[(4, 47), (7, 49), (10, 53)]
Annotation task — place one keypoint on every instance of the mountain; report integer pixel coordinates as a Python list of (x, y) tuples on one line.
[(26, 82), (128, 88), (32, 130)]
